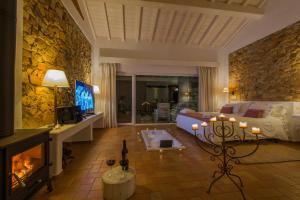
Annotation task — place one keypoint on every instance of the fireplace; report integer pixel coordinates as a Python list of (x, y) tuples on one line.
[(24, 167)]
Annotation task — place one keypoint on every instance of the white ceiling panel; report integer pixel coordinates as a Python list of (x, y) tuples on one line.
[(160, 21)]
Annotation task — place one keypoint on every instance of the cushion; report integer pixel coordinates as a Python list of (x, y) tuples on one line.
[(243, 108), (258, 105), (227, 110), (236, 107), (254, 113), (187, 110)]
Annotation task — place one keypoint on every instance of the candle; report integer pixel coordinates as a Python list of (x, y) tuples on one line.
[(222, 115), (204, 124), (213, 119), (255, 130), (232, 119), (243, 125), (195, 127)]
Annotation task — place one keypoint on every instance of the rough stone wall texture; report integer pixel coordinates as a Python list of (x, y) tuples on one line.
[(268, 69), (52, 40)]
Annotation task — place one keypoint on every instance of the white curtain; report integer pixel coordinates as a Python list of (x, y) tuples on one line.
[(207, 89), (105, 101)]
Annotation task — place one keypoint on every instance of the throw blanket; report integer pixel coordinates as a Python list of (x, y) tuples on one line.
[(197, 115)]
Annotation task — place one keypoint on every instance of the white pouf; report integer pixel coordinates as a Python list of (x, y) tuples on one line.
[(120, 185)]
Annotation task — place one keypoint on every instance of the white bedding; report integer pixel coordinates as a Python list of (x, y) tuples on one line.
[(271, 127)]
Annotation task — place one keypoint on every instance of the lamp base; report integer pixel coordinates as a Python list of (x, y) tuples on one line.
[(54, 126), (57, 126)]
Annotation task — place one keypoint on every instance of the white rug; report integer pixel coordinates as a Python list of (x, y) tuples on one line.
[(152, 140)]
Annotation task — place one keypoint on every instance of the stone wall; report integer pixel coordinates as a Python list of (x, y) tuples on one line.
[(268, 69), (51, 40)]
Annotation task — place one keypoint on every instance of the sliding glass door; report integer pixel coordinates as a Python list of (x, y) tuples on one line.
[(160, 98), (156, 99), (124, 99)]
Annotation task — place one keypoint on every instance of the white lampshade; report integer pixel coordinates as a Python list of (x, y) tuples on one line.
[(96, 89), (225, 90), (55, 78)]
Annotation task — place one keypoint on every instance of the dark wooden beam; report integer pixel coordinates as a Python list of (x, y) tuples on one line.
[(8, 21), (76, 4)]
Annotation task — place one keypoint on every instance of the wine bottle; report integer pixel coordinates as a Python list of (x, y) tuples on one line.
[(124, 162)]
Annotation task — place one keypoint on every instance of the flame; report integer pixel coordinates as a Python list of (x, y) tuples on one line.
[(23, 164), (22, 168)]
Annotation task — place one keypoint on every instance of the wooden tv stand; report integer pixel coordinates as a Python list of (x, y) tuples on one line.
[(82, 131)]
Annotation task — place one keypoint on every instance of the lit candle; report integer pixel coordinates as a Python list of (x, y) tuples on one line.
[(222, 115), (232, 119), (195, 127), (255, 130), (243, 125), (213, 119), (204, 124)]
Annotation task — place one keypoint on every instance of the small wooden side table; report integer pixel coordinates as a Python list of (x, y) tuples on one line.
[(118, 184)]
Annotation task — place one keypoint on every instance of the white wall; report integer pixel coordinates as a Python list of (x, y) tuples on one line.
[(159, 52), (157, 70)]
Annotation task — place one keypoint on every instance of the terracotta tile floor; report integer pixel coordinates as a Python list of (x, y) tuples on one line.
[(172, 175)]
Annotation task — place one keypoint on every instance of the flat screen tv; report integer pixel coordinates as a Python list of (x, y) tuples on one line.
[(84, 97)]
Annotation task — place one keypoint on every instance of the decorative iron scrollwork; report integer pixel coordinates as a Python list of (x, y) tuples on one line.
[(224, 152)]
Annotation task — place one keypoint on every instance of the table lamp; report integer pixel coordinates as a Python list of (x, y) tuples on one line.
[(96, 89), (55, 79), (225, 90)]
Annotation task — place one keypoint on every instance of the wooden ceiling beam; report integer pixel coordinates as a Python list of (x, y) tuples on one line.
[(157, 13), (208, 29), (124, 23), (182, 26), (221, 31), (188, 40), (241, 25), (89, 19), (245, 3), (76, 4), (170, 25), (261, 3), (107, 22), (139, 23), (202, 6)]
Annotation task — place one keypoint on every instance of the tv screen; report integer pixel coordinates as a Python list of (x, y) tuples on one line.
[(84, 97)]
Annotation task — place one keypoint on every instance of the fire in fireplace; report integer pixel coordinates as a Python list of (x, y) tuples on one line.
[(27, 163)]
